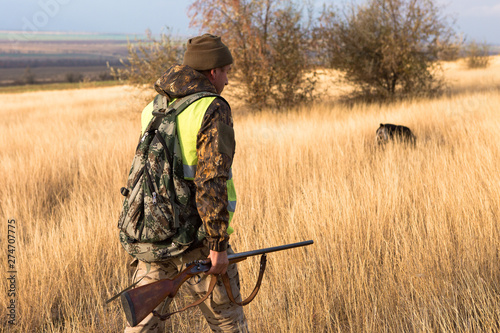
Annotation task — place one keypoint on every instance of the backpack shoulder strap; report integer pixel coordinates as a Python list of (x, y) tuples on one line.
[(162, 109), (180, 104)]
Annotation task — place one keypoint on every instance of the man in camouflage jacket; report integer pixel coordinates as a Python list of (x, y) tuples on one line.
[(207, 62)]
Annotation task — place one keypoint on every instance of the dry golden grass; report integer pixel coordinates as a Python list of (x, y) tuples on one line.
[(406, 239)]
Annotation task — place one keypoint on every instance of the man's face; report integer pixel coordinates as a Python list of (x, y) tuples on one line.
[(218, 77)]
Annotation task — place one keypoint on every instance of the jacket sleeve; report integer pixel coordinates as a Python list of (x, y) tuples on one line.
[(215, 149)]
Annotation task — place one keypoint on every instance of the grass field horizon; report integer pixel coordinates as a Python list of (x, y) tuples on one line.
[(406, 238)]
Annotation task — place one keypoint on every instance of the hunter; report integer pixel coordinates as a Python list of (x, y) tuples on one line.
[(206, 137)]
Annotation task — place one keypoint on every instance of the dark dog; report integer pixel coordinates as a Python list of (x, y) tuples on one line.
[(388, 132)]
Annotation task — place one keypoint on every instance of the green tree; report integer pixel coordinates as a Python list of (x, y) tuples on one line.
[(269, 40), (387, 47)]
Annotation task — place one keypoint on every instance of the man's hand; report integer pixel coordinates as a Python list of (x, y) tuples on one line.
[(219, 262)]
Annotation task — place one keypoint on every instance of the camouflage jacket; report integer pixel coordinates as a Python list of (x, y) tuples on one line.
[(210, 190)]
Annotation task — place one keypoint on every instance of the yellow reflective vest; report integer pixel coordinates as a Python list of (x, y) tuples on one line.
[(188, 126)]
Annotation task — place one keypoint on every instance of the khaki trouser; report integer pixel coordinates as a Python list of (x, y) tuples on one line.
[(221, 314)]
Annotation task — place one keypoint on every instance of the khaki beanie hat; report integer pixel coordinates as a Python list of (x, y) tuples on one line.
[(207, 52)]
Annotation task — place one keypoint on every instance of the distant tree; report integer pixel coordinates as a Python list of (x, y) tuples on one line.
[(73, 77), (148, 59), (269, 40), (387, 47), (28, 77), (325, 38), (105, 76), (477, 54)]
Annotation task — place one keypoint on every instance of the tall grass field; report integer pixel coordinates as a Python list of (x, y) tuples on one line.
[(407, 239)]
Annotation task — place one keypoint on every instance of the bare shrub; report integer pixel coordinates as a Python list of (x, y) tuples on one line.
[(477, 54), (148, 59)]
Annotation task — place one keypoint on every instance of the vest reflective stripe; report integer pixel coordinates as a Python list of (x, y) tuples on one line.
[(231, 207), (189, 171), (188, 126)]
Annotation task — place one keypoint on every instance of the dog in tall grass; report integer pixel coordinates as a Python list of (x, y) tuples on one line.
[(392, 132)]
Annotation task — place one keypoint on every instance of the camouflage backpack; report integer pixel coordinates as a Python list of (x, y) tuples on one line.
[(156, 191)]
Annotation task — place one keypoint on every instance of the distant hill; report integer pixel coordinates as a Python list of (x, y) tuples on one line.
[(24, 36), (54, 56)]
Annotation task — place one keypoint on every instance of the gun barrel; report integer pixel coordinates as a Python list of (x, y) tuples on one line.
[(267, 250)]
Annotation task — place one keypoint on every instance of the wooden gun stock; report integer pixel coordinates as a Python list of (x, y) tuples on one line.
[(139, 302)]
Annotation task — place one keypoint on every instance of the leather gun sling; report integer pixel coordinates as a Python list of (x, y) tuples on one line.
[(225, 280)]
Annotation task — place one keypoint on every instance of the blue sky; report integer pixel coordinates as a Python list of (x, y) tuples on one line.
[(477, 19)]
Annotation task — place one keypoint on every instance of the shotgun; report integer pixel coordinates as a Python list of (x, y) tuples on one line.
[(139, 302)]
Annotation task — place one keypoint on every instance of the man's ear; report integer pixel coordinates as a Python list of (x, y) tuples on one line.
[(213, 72), (211, 75)]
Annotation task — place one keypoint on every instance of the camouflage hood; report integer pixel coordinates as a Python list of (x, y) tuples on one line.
[(179, 81)]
